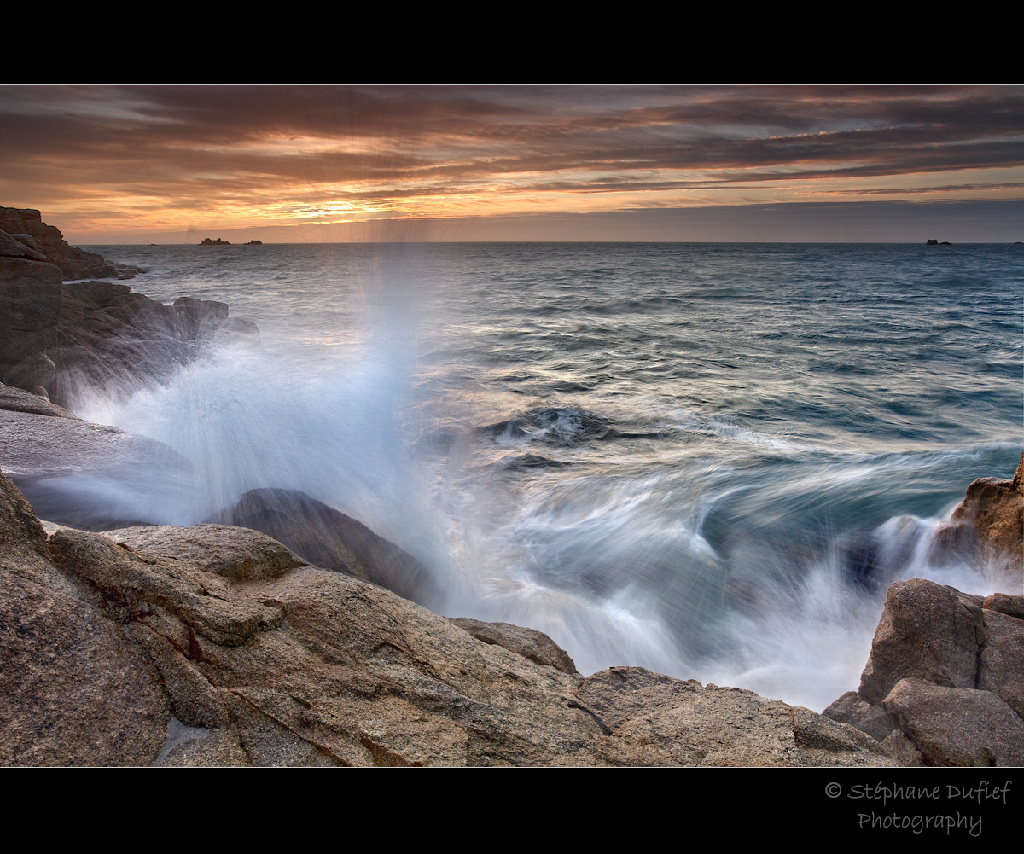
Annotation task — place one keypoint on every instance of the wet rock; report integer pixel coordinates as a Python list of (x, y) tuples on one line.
[(63, 463), (56, 336), (330, 539)]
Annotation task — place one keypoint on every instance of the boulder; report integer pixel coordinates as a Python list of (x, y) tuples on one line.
[(943, 678), (330, 539), (529, 643), (929, 631), (62, 463), (956, 726)]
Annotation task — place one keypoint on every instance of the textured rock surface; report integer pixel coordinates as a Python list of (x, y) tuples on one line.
[(994, 510), (72, 691), (262, 660), (956, 726), (944, 678), (529, 643)]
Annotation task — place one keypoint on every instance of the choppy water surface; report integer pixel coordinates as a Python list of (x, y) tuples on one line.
[(706, 459)]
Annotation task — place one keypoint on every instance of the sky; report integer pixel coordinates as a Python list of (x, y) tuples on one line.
[(311, 163)]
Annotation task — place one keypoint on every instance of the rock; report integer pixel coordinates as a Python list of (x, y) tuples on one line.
[(72, 691), (55, 337), (652, 719), (994, 510), (62, 463), (944, 675), (330, 539), (942, 685), (111, 338), (956, 726), (1000, 663), (237, 554), (18, 400), (27, 227), (928, 631), (529, 643), (215, 645), (30, 294), (853, 709)]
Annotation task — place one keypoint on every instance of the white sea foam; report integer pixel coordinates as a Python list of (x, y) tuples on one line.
[(736, 523)]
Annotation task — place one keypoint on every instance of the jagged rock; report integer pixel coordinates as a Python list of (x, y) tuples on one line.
[(652, 719), (529, 643), (30, 293), (927, 631), (853, 709), (109, 336), (262, 660), (27, 226), (56, 336), (942, 685), (944, 674), (60, 461), (72, 691), (19, 400), (994, 510), (1001, 663)]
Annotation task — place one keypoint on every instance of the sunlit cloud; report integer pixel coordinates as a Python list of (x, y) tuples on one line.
[(166, 158)]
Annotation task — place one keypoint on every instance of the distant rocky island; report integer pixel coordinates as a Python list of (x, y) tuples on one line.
[(218, 242), (277, 632)]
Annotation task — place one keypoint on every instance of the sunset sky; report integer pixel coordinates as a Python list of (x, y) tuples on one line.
[(139, 164)]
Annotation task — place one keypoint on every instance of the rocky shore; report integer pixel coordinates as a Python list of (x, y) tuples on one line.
[(60, 327), (283, 632)]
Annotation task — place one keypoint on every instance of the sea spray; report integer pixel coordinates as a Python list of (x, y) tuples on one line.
[(682, 457)]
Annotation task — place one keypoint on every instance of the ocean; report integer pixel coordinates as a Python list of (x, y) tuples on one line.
[(709, 460)]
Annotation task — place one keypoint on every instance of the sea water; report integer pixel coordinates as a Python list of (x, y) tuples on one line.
[(705, 459)]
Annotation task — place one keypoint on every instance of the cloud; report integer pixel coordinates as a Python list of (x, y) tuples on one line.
[(224, 148)]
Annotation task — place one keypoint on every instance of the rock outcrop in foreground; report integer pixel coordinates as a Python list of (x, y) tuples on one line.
[(943, 683), (219, 646)]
